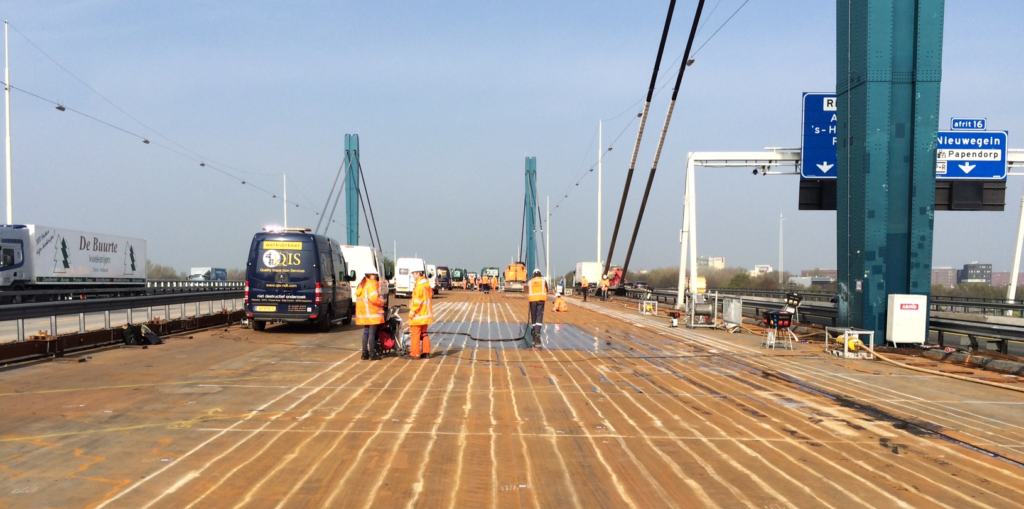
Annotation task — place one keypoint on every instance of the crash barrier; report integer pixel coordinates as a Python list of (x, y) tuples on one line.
[(56, 347), (185, 302), (152, 287)]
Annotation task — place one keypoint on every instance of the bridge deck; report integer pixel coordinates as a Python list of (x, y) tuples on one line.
[(618, 411)]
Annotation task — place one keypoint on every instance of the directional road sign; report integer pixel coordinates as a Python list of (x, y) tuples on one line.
[(971, 155), (968, 124), (818, 147)]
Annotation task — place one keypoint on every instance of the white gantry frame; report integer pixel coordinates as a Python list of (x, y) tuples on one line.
[(778, 157), (765, 162)]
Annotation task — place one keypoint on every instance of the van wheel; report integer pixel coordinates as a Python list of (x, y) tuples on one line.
[(324, 323), (259, 325), (348, 318)]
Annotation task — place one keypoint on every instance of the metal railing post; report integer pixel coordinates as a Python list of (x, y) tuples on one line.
[(53, 325), (81, 322), (106, 319), (130, 320), (21, 329), (167, 312)]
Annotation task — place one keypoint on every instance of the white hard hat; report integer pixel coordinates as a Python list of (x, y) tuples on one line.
[(604, 277), (536, 272), (371, 270)]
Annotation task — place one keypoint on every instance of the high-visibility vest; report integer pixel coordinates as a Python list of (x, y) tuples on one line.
[(584, 283), (369, 303), (560, 304), (604, 284), (537, 289), (421, 309)]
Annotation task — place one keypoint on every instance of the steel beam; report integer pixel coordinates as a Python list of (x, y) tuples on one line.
[(531, 211), (352, 189), (888, 72)]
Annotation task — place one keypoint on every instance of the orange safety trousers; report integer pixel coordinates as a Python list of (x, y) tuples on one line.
[(418, 333)]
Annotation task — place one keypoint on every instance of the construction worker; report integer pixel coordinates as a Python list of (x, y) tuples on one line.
[(494, 283), (604, 288), (464, 283), (537, 293), (370, 312), (584, 285), (560, 305), (421, 314)]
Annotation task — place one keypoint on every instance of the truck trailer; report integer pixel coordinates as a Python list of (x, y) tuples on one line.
[(590, 270), (36, 257), (207, 274)]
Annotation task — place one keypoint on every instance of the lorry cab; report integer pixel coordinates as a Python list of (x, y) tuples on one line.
[(14, 271), (404, 281), (360, 258), (443, 277), (294, 276)]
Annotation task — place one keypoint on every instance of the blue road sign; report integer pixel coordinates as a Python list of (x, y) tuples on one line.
[(818, 140), (971, 155), (968, 124)]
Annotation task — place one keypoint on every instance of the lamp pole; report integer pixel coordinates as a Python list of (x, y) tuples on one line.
[(7, 101), (780, 249), (285, 200)]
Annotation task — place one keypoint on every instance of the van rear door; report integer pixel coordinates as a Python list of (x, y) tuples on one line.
[(282, 275)]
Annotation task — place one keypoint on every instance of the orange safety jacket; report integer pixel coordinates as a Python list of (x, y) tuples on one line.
[(494, 282), (537, 289), (560, 304), (369, 303), (421, 308), (584, 283), (604, 284)]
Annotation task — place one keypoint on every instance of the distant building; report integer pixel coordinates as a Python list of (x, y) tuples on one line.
[(832, 273), (714, 263), (760, 270), (944, 276), (1003, 278), (975, 273)]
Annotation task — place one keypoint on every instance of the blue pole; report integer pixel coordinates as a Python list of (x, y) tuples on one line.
[(352, 190), (531, 211)]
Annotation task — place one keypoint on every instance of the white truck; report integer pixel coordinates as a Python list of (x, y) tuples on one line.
[(36, 257), (207, 274), (590, 270)]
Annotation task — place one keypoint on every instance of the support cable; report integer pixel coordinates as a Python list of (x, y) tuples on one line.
[(366, 217), (661, 141), (348, 164), (328, 202), (640, 133), (370, 204)]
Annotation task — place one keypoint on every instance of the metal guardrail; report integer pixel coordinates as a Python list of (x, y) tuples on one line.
[(53, 310), (826, 314), (152, 287)]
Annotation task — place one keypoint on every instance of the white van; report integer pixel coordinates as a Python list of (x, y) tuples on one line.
[(359, 258), (404, 282)]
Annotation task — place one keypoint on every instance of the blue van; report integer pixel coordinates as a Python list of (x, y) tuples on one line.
[(443, 278), (295, 276)]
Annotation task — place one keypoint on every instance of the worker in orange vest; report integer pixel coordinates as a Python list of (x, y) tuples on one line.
[(464, 283), (560, 305), (584, 285), (537, 293), (604, 288), (421, 314), (370, 312), (494, 283)]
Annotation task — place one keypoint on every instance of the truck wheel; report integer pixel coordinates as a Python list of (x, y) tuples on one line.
[(259, 325), (324, 323), (348, 317)]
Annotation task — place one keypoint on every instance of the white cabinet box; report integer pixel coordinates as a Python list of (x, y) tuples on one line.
[(908, 319)]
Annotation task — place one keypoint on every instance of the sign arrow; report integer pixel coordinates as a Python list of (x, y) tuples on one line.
[(967, 167), (824, 166)]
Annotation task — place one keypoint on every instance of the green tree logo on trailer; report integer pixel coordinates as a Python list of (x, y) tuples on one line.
[(129, 259), (60, 257)]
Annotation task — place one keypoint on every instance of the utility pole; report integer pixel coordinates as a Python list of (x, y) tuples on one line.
[(285, 200), (780, 249), (547, 242), (7, 100), (600, 157)]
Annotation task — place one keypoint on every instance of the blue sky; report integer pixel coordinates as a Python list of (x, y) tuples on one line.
[(448, 98)]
